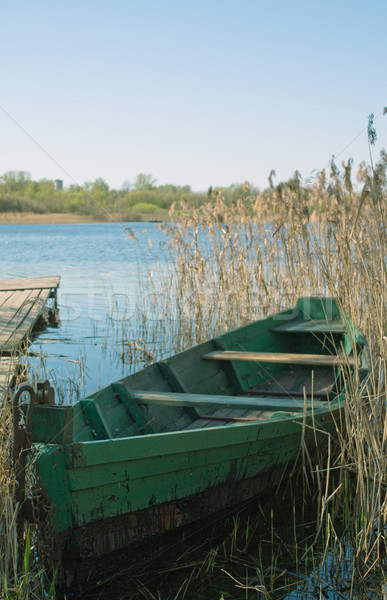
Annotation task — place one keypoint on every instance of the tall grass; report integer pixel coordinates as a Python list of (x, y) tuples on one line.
[(21, 577), (9, 553), (237, 262)]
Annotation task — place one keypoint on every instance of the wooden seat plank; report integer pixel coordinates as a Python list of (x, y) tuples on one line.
[(206, 400), (282, 357), (313, 326)]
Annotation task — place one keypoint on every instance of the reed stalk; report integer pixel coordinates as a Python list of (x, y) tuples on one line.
[(238, 262)]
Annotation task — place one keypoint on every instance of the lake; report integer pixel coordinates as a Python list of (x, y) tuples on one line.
[(103, 268)]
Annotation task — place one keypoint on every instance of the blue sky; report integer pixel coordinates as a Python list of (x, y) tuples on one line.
[(193, 92)]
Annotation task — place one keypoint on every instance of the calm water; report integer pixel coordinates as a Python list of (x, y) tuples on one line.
[(102, 271)]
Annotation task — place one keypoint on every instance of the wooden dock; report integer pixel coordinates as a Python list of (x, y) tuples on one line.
[(23, 302)]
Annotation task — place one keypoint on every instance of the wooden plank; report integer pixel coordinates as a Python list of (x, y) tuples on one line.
[(177, 385), (245, 374), (280, 393), (4, 297), (17, 325), (95, 418), (201, 377), (30, 283), (226, 420), (13, 313), (17, 328), (132, 408), (208, 420), (282, 357), (235, 415), (313, 326), (204, 400), (7, 374), (12, 307)]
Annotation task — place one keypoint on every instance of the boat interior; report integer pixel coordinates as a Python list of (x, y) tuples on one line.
[(268, 369)]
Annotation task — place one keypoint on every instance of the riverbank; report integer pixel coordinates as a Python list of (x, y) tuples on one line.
[(30, 218)]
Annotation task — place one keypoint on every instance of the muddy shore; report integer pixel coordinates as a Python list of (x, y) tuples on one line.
[(30, 218)]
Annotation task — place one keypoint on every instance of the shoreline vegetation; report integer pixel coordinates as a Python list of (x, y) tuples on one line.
[(230, 267), (25, 201), (30, 218)]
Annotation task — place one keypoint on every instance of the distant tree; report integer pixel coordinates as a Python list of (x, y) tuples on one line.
[(74, 187), (144, 182), (15, 181), (44, 189), (99, 185)]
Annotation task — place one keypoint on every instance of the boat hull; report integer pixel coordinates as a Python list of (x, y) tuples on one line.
[(91, 555), (188, 437), (185, 478)]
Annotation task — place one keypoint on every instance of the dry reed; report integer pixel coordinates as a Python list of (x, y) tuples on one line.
[(238, 262), (9, 554)]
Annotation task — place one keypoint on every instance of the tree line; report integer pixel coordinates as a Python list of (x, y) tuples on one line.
[(143, 199), (137, 200)]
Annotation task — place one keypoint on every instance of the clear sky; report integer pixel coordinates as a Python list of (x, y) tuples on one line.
[(196, 92)]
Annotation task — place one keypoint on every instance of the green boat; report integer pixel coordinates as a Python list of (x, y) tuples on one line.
[(185, 438)]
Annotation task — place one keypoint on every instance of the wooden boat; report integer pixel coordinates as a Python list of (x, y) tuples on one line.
[(187, 437)]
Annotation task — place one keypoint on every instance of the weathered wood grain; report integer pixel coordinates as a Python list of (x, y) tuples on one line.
[(7, 367), (284, 357), (30, 283), (240, 402), (22, 303), (325, 326)]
